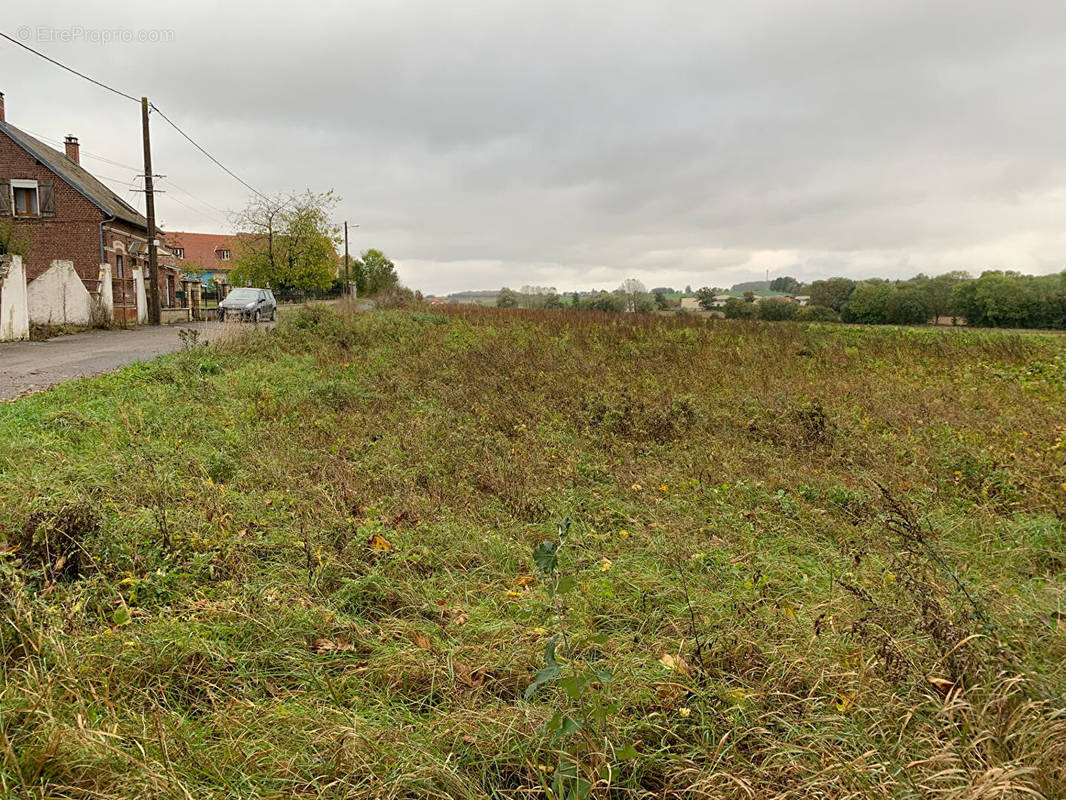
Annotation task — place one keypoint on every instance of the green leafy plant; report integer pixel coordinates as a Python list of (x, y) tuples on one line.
[(581, 694)]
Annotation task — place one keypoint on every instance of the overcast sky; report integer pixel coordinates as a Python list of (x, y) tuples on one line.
[(575, 144)]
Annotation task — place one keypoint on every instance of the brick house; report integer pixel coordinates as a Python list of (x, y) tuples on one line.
[(62, 212), (211, 254)]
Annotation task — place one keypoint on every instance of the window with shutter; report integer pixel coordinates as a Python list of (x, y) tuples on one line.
[(5, 198), (27, 201), (47, 198)]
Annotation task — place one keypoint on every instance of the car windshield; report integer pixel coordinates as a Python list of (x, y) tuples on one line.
[(243, 295)]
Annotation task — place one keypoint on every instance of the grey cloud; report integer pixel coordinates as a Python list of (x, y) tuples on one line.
[(507, 142)]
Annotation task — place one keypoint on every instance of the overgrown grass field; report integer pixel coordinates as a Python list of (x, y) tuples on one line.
[(331, 561)]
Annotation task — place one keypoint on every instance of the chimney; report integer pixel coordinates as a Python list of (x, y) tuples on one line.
[(2, 107), (71, 145)]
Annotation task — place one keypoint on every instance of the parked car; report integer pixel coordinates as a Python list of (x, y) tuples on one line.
[(248, 304)]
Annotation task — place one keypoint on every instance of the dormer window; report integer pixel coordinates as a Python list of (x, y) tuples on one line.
[(223, 255), (179, 252), (24, 194)]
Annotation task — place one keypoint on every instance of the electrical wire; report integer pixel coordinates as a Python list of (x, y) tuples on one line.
[(153, 106), (193, 142), (68, 69)]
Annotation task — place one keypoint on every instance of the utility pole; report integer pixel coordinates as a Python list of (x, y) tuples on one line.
[(149, 204)]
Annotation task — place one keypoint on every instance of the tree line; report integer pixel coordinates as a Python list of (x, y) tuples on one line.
[(630, 296), (995, 299)]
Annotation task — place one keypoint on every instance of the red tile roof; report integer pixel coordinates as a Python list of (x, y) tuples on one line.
[(202, 249)]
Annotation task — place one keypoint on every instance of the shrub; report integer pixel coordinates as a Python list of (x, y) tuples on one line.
[(775, 309)]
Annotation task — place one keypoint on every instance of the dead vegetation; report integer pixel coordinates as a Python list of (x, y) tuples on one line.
[(816, 562)]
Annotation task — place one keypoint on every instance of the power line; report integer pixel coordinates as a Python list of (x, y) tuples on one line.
[(69, 69), (155, 108), (195, 197), (85, 152), (191, 141), (198, 211)]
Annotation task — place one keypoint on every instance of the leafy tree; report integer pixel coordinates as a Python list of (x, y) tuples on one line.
[(643, 304), (735, 308), (374, 273), (287, 243), (816, 314), (832, 293), (937, 292), (607, 301), (775, 309), (661, 303), (1004, 300), (749, 297), (868, 303), (786, 284), (552, 301), (706, 296), (506, 298), (908, 306), (963, 303)]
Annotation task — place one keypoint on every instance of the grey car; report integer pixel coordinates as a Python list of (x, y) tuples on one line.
[(248, 304)]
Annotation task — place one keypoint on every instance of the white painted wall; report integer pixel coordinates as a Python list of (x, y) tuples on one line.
[(58, 297), (142, 296), (14, 308), (107, 292)]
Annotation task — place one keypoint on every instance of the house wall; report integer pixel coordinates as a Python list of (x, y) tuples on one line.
[(59, 297), (73, 234), (130, 242), (14, 306)]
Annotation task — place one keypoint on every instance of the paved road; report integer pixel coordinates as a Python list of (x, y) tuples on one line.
[(27, 367)]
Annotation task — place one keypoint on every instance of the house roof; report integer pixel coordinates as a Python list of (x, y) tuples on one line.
[(77, 176), (202, 249)]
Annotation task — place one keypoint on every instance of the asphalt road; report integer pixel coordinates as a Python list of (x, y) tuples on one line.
[(27, 367)]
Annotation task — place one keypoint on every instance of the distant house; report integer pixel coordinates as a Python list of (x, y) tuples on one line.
[(690, 303), (62, 212), (801, 299), (209, 254)]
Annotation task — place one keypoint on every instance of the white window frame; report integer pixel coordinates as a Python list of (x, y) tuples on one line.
[(179, 252), (223, 255), (21, 183)]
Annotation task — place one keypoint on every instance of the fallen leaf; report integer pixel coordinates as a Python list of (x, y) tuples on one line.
[(524, 580), (676, 663), (473, 677), (460, 618), (329, 646), (379, 542), (942, 685), (420, 639)]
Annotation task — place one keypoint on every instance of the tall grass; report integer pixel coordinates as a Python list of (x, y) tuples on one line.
[(298, 563)]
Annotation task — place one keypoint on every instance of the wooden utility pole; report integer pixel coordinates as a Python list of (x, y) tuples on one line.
[(346, 281), (149, 206)]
